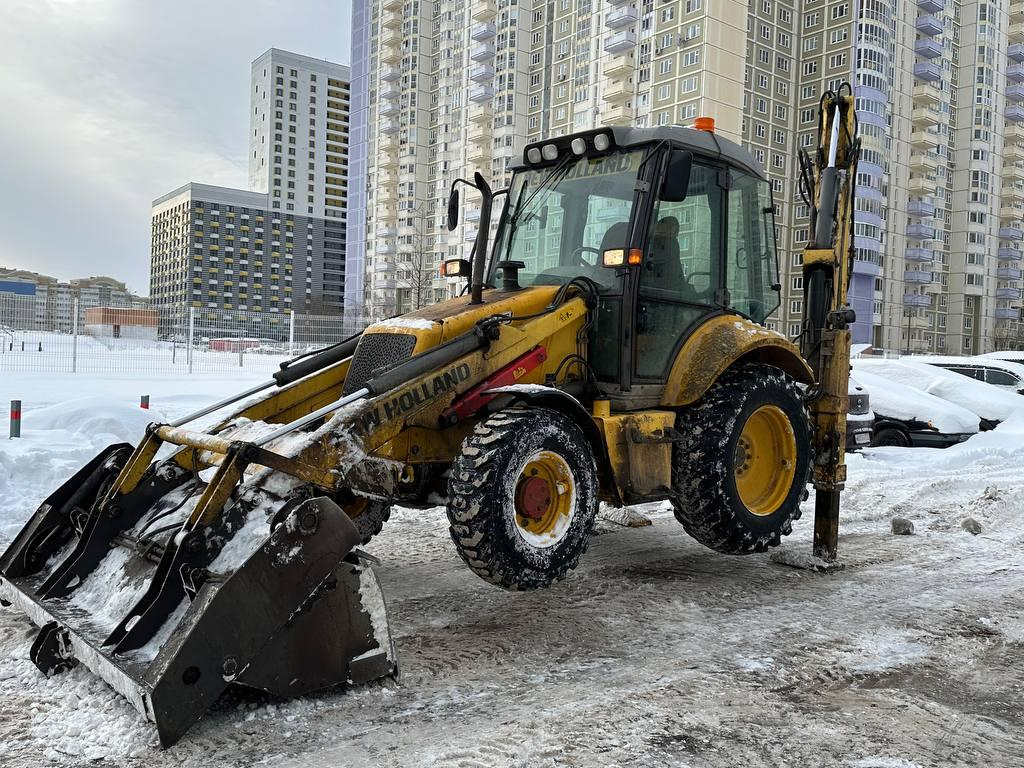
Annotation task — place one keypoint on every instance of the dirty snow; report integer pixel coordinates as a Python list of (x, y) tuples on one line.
[(654, 652)]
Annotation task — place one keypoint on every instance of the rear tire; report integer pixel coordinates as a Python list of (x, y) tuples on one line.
[(522, 498), (368, 515), (890, 436), (742, 467)]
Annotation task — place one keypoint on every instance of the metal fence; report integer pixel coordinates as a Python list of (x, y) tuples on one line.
[(160, 340)]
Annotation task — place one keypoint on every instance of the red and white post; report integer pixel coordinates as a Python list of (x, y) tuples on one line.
[(144, 402), (15, 418)]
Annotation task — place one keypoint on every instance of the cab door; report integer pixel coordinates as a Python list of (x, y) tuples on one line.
[(680, 281)]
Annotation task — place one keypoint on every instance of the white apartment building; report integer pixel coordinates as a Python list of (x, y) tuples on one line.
[(441, 89)]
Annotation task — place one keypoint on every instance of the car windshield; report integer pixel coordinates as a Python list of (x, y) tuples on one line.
[(561, 218)]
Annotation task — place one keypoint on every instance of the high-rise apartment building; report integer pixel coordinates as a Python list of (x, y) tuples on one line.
[(44, 302), (280, 245), (442, 89)]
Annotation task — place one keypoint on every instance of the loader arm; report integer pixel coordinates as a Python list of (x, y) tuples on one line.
[(827, 185)]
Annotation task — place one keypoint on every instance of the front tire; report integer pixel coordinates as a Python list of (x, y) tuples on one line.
[(522, 498), (742, 467)]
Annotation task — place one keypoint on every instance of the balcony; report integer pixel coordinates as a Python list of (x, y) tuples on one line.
[(620, 42), (482, 52), (1006, 253), (1012, 233), (924, 163), (919, 254), (390, 91), (1013, 173), (1013, 294), (619, 66), (931, 6), (481, 93), (479, 73), (1014, 133), (1013, 193), (392, 5), (916, 300), (928, 71), (927, 95), (921, 208), (1008, 211), (617, 115), (391, 19), (390, 38), (1016, 32), (1009, 273), (385, 249), (479, 154), (480, 113), (922, 185), (389, 126), (924, 140), (1016, 52), (389, 74), (483, 30), (618, 90), (386, 231), (620, 17), (925, 118), (1015, 92), (1007, 313), (1015, 73), (388, 108), (390, 54), (917, 277), (473, 214), (928, 48), (1016, 10), (384, 267), (929, 25), (482, 10), (479, 133), (921, 231)]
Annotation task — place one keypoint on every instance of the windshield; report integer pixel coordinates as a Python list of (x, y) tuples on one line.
[(559, 219)]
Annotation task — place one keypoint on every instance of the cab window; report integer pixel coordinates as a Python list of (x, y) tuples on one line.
[(751, 267)]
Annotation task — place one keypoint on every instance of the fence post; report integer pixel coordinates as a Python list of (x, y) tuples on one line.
[(15, 418), (291, 333), (144, 402), (191, 334), (74, 336)]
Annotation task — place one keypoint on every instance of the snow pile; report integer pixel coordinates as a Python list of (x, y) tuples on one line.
[(898, 401), (986, 401)]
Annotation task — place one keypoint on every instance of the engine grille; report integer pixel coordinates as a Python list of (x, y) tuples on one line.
[(374, 351)]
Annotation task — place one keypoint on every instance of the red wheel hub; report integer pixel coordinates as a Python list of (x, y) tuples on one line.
[(533, 497)]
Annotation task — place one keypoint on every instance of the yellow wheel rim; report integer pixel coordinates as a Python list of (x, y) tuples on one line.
[(765, 462), (544, 499)]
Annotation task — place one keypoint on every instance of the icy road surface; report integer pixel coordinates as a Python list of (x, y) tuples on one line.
[(655, 652)]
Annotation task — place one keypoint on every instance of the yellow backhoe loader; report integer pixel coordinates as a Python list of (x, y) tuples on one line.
[(609, 345)]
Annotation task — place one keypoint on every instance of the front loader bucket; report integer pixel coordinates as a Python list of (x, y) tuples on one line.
[(289, 610)]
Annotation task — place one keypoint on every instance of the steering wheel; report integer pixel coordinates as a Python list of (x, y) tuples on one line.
[(577, 256), (702, 295)]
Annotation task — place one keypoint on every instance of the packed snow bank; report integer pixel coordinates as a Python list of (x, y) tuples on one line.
[(898, 401), (986, 401)]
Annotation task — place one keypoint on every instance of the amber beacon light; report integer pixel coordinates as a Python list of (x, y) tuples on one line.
[(705, 124)]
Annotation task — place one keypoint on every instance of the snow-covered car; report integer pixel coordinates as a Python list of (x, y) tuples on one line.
[(904, 416), (998, 373), (859, 418), (1009, 356), (991, 404)]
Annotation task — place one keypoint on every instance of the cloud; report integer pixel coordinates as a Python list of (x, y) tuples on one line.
[(109, 104)]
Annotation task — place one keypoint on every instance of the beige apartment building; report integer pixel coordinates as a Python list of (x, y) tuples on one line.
[(441, 89)]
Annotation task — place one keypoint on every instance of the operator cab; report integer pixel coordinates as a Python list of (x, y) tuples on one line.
[(671, 224)]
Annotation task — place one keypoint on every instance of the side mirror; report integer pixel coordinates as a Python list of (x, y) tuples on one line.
[(677, 178), (453, 208)]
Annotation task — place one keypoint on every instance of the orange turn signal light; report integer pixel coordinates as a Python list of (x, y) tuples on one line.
[(619, 257)]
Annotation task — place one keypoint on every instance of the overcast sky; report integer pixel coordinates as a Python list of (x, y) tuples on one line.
[(107, 104)]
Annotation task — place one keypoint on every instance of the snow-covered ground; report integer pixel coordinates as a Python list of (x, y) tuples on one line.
[(654, 652)]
